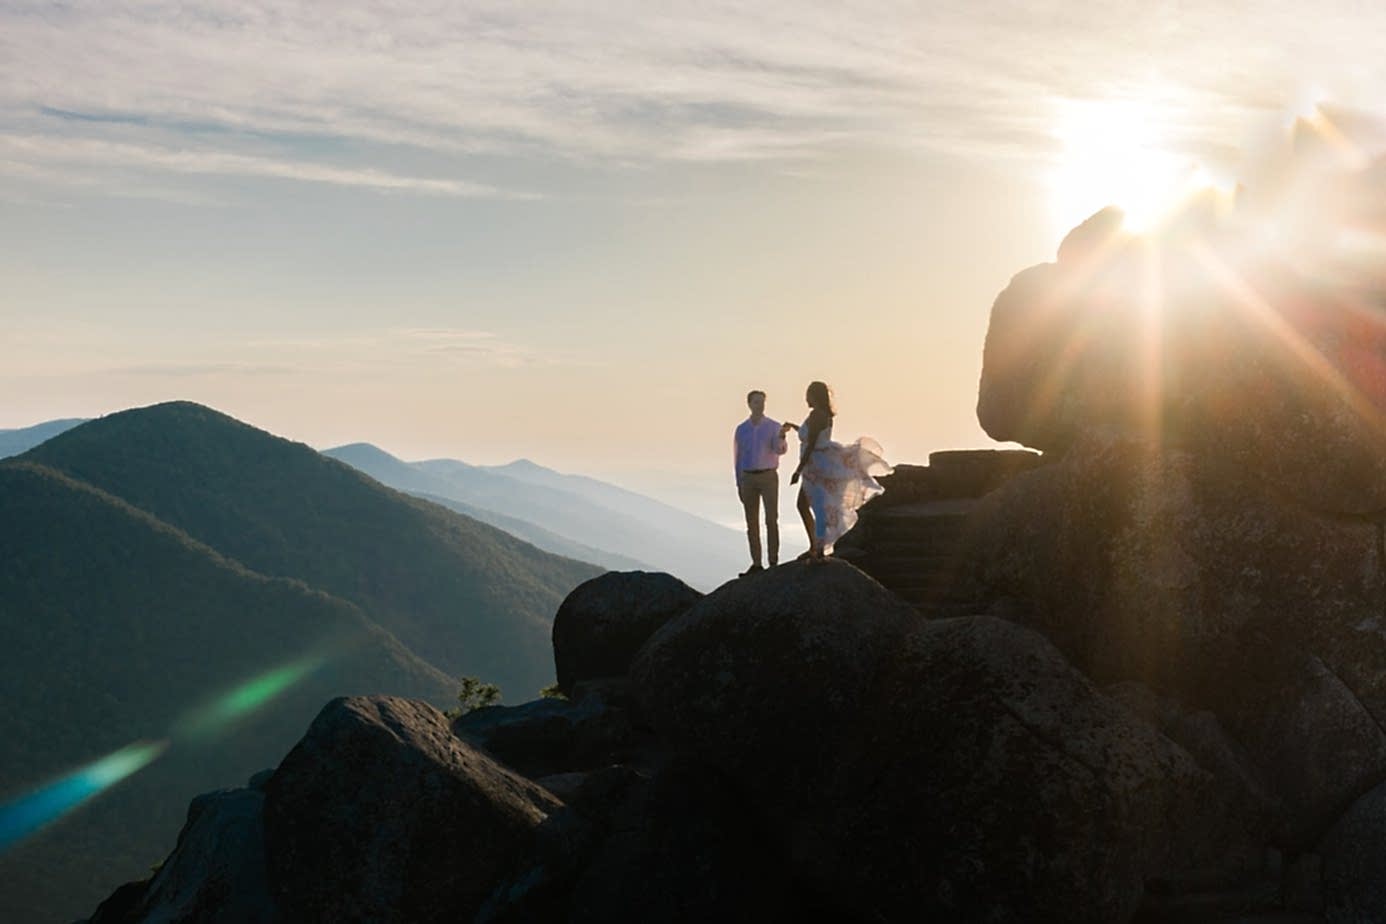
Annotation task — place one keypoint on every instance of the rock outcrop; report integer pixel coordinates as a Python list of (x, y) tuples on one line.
[(1210, 335), (898, 802), (804, 742), (605, 620), (1161, 566), (549, 736), (1207, 536), (382, 814), (738, 680), (216, 873)]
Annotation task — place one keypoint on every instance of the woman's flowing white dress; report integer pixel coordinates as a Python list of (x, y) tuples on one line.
[(838, 479)]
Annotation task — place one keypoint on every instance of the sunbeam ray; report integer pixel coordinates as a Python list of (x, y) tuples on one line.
[(1152, 359), (1255, 306)]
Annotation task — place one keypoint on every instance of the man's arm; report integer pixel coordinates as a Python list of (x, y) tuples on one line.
[(780, 443), (736, 458)]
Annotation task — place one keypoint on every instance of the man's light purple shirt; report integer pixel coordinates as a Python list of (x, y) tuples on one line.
[(757, 446)]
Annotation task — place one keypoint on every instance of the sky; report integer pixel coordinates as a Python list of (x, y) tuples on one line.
[(580, 232)]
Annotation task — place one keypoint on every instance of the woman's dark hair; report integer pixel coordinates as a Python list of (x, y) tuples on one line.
[(820, 398)]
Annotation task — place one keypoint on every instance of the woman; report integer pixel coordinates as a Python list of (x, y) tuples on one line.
[(838, 479)]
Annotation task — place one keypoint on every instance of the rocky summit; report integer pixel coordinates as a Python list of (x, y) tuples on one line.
[(797, 743), (1140, 677)]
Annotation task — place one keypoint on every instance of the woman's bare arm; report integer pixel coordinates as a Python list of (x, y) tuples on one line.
[(817, 423)]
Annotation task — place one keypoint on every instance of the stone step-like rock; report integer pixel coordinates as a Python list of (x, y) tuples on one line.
[(915, 550), (974, 472)]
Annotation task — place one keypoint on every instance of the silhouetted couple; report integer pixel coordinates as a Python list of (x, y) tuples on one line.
[(837, 479)]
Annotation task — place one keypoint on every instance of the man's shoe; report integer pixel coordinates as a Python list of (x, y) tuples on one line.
[(754, 569)]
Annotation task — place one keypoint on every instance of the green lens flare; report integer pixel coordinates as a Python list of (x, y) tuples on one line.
[(246, 698)]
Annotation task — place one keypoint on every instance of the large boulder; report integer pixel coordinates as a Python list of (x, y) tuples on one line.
[(957, 769), (1058, 350), (992, 781), (604, 621), (215, 875), (1028, 328), (552, 735), (1202, 336), (382, 814), (1317, 747), (765, 677), (1158, 565)]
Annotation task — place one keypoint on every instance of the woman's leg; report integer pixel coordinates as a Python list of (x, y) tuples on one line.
[(818, 506), (806, 515)]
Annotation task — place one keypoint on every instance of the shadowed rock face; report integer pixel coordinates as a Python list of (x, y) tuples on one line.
[(1161, 566), (774, 667), (884, 751), (1354, 889), (216, 873), (802, 743), (965, 705), (603, 622), (381, 814), (684, 847)]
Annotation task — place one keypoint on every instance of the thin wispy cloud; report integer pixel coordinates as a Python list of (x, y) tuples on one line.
[(410, 348), (27, 150), (235, 86), (205, 370), (86, 350)]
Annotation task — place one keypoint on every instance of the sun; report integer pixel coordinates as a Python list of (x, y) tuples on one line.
[(1115, 152)]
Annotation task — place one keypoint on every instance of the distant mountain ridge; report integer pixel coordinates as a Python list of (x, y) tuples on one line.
[(413, 478), (275, 506), (574, 516), (152, 560), (13, 442), (540, 537), (625, 527)]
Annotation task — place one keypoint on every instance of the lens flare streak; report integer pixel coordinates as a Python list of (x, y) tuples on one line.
[(43, 806), (245, 698)]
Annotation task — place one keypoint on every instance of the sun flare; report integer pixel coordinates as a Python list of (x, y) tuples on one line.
[(1115, 153)]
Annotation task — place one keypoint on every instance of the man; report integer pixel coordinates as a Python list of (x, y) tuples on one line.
[(757, 446)]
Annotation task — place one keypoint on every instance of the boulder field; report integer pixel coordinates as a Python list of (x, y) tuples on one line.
[(802, 743)]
